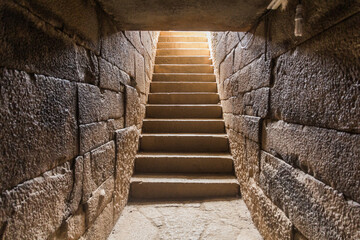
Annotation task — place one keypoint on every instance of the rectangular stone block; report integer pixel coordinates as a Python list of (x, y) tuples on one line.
[(93, 135), (317, 210), (132, 116), (38, 127), (232, 39), (102, 226), (99, 200), (328, 155), (220, 49), (256, 103), (95, 105), (327, 93), (111, 77), (134, 38), (271, 222), (127, 144), (99, 165), (248, 126), (36, 208), (147, 42), (226, 67), (140, 72)]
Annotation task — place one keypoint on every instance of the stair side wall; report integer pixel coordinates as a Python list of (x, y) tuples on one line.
[(292, 109), (69, 81)]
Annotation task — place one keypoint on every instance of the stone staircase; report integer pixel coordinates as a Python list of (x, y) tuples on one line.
[(184, 150)]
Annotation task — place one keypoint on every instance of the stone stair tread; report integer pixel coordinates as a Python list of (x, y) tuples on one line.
[(185, 178)]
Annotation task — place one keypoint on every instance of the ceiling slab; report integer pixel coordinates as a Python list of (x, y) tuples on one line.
[(201, 15)]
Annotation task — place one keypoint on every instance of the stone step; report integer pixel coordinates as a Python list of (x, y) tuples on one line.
[(183, 77), (183, 52), (183, 126), (183, 33), (183, 39), (183, 111), (183, 98), (182, 45), (153, 187), (180, 142), (156, 87), (183, 60), (183, 68), (183, 163)]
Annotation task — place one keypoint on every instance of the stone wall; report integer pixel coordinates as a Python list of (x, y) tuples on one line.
[(73, 93), (292, 109)]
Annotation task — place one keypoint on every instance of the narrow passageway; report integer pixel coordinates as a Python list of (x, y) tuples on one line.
[(184, 154)]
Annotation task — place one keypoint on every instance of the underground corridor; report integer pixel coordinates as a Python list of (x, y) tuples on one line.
[(129, 120)]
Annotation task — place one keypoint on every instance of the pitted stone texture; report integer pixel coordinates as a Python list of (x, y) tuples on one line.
[(111, 77), (95, 105), (226, 67), (127, 143), (327, 93), (140, 72), (249, 126), (38, 48), (99, 165), (256, 103), (221, 219), (36, 208), (37, 125), (132, 113), (77, 190), (75, 226), (268, 218), (317, 210), (328, 155)]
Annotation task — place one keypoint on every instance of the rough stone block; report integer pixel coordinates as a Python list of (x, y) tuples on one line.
[(140, 72), (232, 39), (257, 102), (132, 116), (147, 42), (234, 105), (328, 155), (327, 93), (226, 67), (96, 106), (249, 126), (34, 46), (113, 125), (75, 226), (271, 222), (77, 190), (102, 226), (99, 165), (134, 38), (116, 48), (111, 77), (127, 143), (38, 128), (255, 49), (92, 135), (36, 208), (220, 50), (317, 210), (99, 200)]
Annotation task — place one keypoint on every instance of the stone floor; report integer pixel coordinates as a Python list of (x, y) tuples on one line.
[(218, 219)]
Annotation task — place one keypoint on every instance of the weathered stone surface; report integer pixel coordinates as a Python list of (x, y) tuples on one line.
[(92, 135), (234, 105), (211, 220), (75, 225), (96, 106), (37, 125), (232, 39), (34, 46), (127, 143), (76, 18), (111, 77), (98, 166), (246, 157), (317, 210), (327, 93), (134, 38), (249, 126), (113, 125), (269, 219), (36, 208), (102, 226), (328, 155), (147, 42), (226, 67), (219, 45), (116, 49), (140, 73), (99, 200), (257, 102), (132, 116), (77, 193)]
